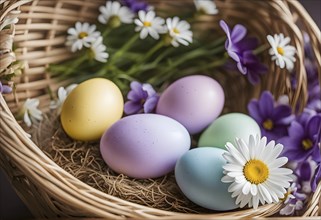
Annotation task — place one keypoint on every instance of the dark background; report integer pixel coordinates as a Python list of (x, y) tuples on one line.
[(10, 205)]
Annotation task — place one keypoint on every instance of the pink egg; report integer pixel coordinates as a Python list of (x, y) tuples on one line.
[(194, 101)]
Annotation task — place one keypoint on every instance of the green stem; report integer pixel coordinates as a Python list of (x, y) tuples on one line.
[(261, 49), (215, 64), (123, 49), (158, 46), (69, 67), (109, 65), (106, 32), (169, 71), (150, 53), (219, 41)]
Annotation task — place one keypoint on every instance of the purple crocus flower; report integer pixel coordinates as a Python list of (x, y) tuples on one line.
[(252, 67), (314, 90), (272, 118), (294, 200), (314, 101), (142, 98), (305, 172), (136, 5), (240, 49), (4, 89), (301, 141), (307, 46), (317, 173), (317, 177)]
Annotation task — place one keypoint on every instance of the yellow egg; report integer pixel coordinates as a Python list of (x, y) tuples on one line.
[(91, 108)]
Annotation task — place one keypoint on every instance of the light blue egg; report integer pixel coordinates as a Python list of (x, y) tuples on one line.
[(198, 174)]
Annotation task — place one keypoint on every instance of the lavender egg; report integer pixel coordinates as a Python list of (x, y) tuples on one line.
[(144, 146), (194, 101)]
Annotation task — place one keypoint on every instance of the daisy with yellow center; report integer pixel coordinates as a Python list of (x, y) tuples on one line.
[(206, 7), (113, 14), (98, 51), (179, 31), (148, 24), (281, 52), (82, 35), (255, 172)]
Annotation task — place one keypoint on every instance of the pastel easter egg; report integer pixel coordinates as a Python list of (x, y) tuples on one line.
[(228, 127), (144, 145), (194, 101), (91, 108), (198, 174)]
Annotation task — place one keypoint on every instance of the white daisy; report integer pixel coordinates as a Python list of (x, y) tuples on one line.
[(149, 24), (31, 112), (98, 51), (81, 35), (206, 6), (179, 31), (113, 14), (255, 171), (62, 95), (281, 52)]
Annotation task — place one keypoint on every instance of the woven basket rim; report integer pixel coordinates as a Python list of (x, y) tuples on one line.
[(40, 167)]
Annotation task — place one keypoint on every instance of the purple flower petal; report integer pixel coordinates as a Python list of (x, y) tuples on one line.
[(296, 130), (266, 104), (314, 125), (226, 29), (248, 44), (4, 89), (238, 33), (295, 155), (272, 118), (131, 107), (281, 112), (305, 171), (136, 86), (142, 98), (150, 104), (317, 178), (316, 153), (135, 5), (134, 96), (234, 56), (253, 78), (254, 111), (149, 89), (240, 49), (243, 69)]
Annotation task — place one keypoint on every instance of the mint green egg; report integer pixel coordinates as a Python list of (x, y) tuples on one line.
[(226, 128)]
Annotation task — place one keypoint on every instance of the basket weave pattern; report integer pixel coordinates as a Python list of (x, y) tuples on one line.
[(39, 38)]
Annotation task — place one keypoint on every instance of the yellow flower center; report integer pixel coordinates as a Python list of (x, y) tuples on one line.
[(268, 124), (280, 50), (114, 21), (307, 144), (82, 35), (147, 24), (176, 31), (256, 172), (142, 101)]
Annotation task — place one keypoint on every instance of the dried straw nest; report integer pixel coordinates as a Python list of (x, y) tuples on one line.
[(39, 37)]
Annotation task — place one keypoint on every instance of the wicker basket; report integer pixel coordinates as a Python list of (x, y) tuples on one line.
[(39, 37)]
